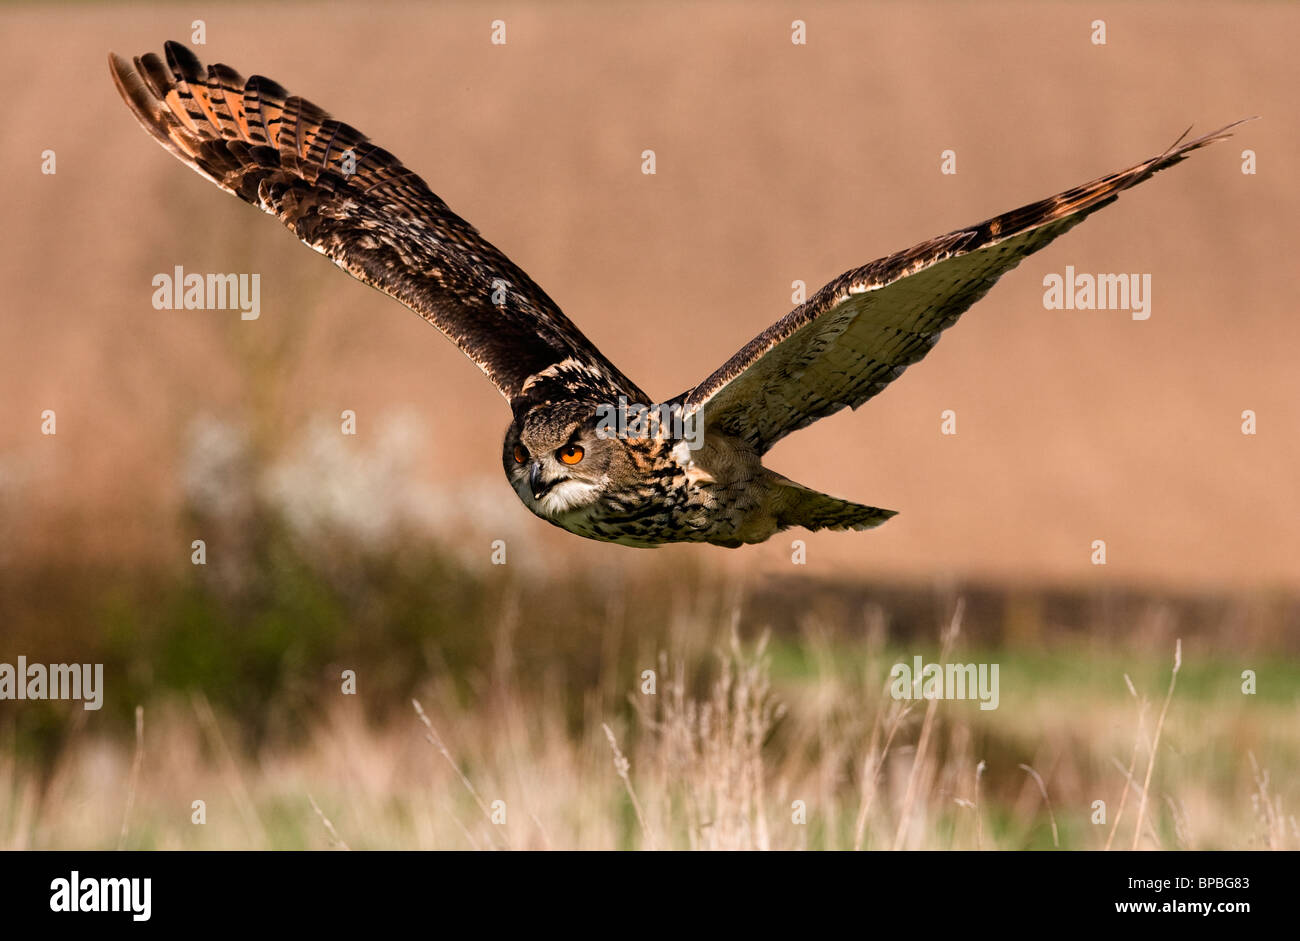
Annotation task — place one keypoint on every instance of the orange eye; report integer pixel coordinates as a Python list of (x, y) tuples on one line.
[(521, 454), (570, 454)]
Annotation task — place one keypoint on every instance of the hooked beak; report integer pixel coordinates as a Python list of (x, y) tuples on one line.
[(535, 483)]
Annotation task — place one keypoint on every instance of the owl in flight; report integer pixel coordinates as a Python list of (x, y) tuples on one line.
[(693, 471)]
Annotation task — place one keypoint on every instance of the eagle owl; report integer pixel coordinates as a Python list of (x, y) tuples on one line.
[(694, 472)]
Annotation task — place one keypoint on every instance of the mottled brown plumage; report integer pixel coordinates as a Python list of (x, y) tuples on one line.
[(357, 204), (858, 333)]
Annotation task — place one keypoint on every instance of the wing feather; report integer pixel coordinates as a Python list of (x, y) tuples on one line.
[(859, 332), (356, 203)]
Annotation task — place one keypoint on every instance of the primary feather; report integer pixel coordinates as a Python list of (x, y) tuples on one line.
[(858, 333), (356, 203)]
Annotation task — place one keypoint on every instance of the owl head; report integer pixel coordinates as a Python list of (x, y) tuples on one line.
[(557, 461)]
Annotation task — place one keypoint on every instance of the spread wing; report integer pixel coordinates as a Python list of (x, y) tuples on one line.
[(858, 333), (377, 220)]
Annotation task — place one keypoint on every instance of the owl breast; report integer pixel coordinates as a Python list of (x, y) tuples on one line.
[(718, 493)]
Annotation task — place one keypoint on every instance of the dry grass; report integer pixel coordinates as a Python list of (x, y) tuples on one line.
[(718, 756)]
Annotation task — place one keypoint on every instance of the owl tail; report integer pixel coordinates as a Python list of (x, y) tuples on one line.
[(796, 505)]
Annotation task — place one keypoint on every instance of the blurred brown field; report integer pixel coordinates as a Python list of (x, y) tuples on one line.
[(775, 163)]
